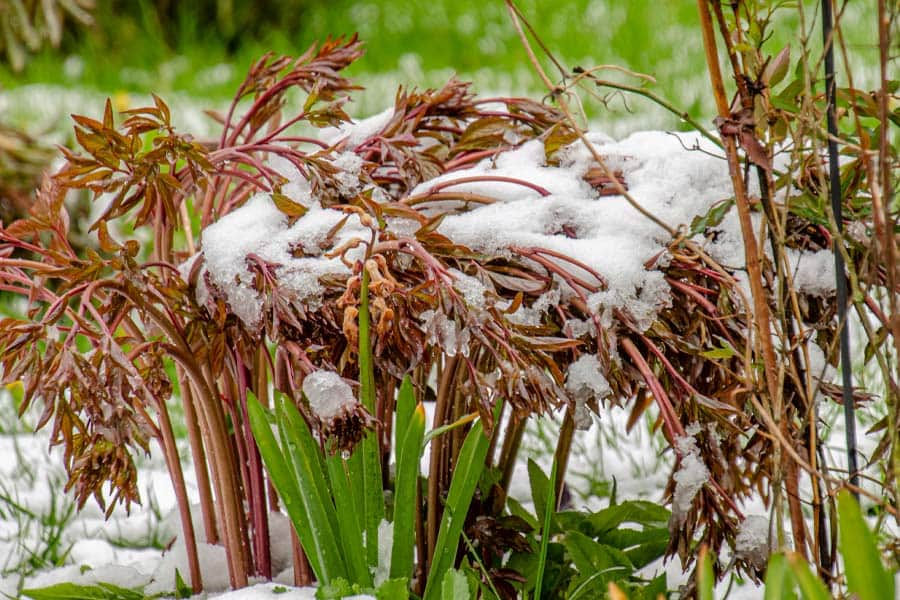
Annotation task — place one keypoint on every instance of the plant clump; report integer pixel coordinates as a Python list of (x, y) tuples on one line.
[(486, 248)]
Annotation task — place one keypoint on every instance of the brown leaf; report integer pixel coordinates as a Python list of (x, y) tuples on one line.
[(288, 206)]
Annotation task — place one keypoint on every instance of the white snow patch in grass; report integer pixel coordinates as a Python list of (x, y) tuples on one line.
[(213, 568), (385, 546), (328, 394), (269, 591), (118, 575)]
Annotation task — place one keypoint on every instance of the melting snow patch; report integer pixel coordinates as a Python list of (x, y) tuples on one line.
[(327, 393), (385, 546)]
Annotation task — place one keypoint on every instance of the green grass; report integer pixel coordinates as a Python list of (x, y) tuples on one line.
[(420, 43)]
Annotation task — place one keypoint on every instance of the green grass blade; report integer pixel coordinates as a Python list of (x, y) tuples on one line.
[(406, 406), (540, 488), (304, 454), (705, 580), (305, 450), (370, 461), (546, 530), (466, 474), (71, 591), (811, 586), (779, 582), (282, 476), (366, 372), (348, 522), (866, 575), (409, 453)]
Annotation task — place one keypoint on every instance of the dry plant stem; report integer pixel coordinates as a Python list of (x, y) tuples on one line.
[(564, 107), (751, 249), (225, 479), (162, 252), (762, 319), (255, 486), (195, 438), (646, 93), (303, 575), (561, 455), (886, 235), (511, 443), (439, 453), (184, 507)]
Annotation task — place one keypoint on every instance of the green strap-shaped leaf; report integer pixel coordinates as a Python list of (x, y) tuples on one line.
[(779, 581), (466, 474), (866, 575), (546, 530), (304, 456), (811, 586), (348, 521), (705, 580), (406, 405), (282, 476), (367, 468), (409, 452)]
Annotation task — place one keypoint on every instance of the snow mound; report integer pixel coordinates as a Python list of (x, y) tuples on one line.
[(328, 394)]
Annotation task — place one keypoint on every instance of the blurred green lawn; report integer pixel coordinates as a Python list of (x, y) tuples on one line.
[(410, 42)]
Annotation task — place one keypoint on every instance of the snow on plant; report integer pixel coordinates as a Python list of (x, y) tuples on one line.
[(690, 476), (489, 249)]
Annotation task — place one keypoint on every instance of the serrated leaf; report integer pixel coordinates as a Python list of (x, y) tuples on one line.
[(393, 589)]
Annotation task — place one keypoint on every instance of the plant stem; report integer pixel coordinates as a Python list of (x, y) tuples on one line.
[(195, 438)]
